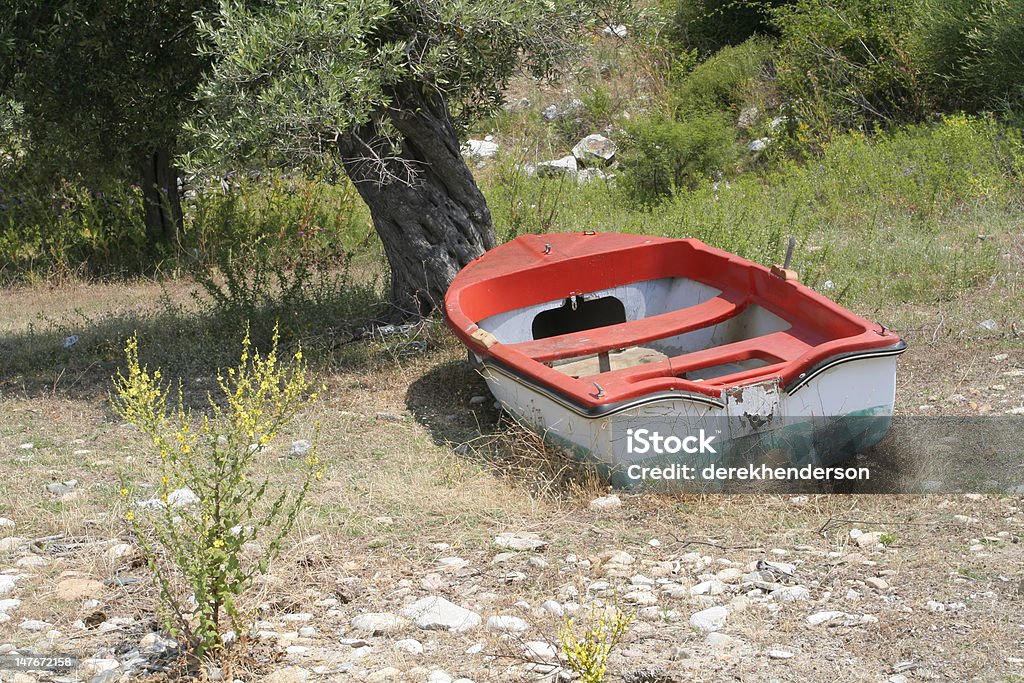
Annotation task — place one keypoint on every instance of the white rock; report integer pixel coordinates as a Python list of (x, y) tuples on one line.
[(552, 607), (878, 583), (94, 666), (289, 674), (593, 148), (819, 618), (605, 503), (121, 551), (9, 605), (616, 30), (410, 645), (519, 541), (621, 557), (482, 149), (869, 540), (559, 167), (439, 676), (758, 145), (587, 175), (507, 623), (378, 623), (538, 649), (8, 582), (714, 587), (35, 625), (300, 447), (60, 488), (791, 594), (11, 543), (434, 613), (711, 619), (780, 654), (6, 523)]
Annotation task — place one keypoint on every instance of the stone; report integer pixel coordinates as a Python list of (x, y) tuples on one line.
[(409, 645), (61, 488), (538, 649), (566, 166), (588, 175), (641, 598), (300, 447), (615, 31), (878, 583), (711, 619), (552, 607), (378, 623), (791, 594), (594, 148), (758, 145), (819, 618), (435, 613), (6, 523), (289, 674), (507, 624), (730, 575), (869, 540), (519, 541), (156, 644), (604, 504), (440, 676), (78, 589), (384, 675), (481, 149), (35, 625), (621, 557), (11, 543), (94, 666), (780, 654), (9, 605), (122, 552)]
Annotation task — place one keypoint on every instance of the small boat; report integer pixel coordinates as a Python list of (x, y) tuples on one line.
[(672, 363)]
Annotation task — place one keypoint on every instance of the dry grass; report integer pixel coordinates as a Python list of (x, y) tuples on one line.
[(412, 463)]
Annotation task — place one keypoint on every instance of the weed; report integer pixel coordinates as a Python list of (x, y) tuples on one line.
[(586, 652), (211, 507)]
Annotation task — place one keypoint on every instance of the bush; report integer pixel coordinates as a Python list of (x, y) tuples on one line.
[(210, 502), (586, 653), (709, 25), (844, 65), (662, 155), (972, 53), (724, 81)]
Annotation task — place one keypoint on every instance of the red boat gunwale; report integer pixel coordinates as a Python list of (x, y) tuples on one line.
[(534, 269)]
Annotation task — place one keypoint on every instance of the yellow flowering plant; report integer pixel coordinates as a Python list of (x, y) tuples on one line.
[(586, 649), (210, 502)]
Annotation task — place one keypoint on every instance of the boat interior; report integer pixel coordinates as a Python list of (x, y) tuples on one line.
[(640, 330)]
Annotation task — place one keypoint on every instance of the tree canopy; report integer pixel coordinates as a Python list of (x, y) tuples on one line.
[(383, 88)]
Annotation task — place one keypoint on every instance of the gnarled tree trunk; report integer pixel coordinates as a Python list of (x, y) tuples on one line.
[(425, 204), (161, 199)]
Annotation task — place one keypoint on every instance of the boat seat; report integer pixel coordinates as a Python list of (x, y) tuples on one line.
[(634, 332)]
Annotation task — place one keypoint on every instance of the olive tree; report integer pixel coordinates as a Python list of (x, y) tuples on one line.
[(102, 88), (385, 88)]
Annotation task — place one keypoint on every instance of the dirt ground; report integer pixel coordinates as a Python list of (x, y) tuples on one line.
[(420, 482)]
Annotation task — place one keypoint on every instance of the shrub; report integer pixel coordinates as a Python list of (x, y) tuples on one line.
[(709, 25), (586, 653), (845, 64), (195, 550), (663, 155), (972, 53), (724, 81)]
